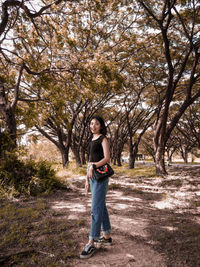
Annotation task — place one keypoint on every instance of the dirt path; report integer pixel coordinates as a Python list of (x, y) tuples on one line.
[(155, 222)]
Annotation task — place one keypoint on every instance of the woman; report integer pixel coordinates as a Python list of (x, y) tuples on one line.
[(99, 155)]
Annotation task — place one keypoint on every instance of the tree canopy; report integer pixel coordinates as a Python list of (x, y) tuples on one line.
[(134, 62)]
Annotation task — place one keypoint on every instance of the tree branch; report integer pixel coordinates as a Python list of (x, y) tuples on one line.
[(29, 71), (47, 135), (20, 4), (178, 115), (16, 92), (149, 11)]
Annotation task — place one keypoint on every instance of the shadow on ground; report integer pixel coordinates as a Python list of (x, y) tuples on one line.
[(155, 223)]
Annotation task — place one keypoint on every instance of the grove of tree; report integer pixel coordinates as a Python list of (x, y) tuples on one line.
[(136, 63)]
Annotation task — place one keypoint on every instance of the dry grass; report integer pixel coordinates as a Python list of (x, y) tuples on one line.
[(35, 235), (72, 170), (144, 171)]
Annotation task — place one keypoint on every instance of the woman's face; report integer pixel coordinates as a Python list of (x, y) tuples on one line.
[(95, 126)]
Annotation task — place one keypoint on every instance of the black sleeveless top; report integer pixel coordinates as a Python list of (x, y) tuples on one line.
[(95, 149)]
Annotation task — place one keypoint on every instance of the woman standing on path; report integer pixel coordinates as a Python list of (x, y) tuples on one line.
[(99, 155)]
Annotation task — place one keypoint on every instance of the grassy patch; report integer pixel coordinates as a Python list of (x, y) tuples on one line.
[(176, 183), (115, 186), (71, 170), (32, 236), (19, 177), (142, 171), (137, 191)]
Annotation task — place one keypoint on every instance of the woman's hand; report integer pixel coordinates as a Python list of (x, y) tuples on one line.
[(90, 172), (87, 186)]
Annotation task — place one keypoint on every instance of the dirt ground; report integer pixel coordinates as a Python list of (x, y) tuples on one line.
[(155, 221)]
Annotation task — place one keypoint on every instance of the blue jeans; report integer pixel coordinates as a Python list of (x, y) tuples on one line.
[(100, 217)]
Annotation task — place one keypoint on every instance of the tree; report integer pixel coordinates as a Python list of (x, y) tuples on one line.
[(57, 125), (117, 130), (174, 28), (12, 64), (186, 131), (81, 134), (171, 146), (83, 71), (191, 121), (146, 144)]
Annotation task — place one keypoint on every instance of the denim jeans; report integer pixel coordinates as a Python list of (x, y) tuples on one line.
[(100, 217)]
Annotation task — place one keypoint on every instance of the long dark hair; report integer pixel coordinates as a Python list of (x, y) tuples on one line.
[(103, 129)]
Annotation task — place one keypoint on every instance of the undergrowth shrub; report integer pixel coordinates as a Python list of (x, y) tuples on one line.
[(26, 178)]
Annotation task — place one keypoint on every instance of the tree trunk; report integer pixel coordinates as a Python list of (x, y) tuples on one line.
[(169, 157), (131, 164), (171, 154), (0, 143), (83, 158), (159, 142), (77, 156), (65, 157), (9, 117), (11, 127), (132, 156), (159, 161), (114, 156), (186, 156), (133, 150), (118, 159)]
